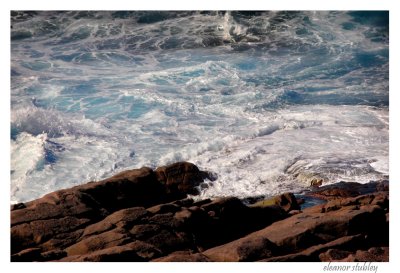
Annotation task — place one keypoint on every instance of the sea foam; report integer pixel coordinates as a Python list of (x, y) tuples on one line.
[(267, 101)]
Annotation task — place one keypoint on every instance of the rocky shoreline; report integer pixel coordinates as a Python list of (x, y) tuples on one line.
[(144, 215)]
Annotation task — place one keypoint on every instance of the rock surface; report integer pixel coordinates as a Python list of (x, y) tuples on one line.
[(348, 189), (145, 215)]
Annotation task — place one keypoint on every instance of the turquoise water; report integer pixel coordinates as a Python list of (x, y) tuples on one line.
[(266, 100)]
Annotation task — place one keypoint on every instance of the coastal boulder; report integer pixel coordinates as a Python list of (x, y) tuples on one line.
[(181, 178), (286, 202), (130, 188)]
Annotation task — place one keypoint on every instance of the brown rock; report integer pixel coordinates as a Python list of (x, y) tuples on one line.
[(184, 215), (347, 189), (164, 208), (111, 254), (382, 185), (18, 206), (375, 254), (61, 241), (183, 256), (52, 222), (168, 241), (130, 217), (115, 237), (144, 250), (66, 210), (202, 202), (187, 202), (36, 232), (223, 205), (56, 205), (313, 253), (53, 255), (309, 228), (121, 218), (380, 199), (136, 251), (242, 250), (287, 202), (334, 255), (294, 212), (133, 188), (143, 232), (316, 182), (163, 219), (180, 178), (228, 218), (336, 193), (27, 255)]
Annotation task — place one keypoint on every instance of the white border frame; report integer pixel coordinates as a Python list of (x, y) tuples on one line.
[(394, 114)]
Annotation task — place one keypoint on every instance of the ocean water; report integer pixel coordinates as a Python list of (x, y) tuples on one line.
[(268, 101)]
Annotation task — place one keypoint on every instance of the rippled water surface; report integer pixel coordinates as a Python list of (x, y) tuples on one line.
[(268, 101)]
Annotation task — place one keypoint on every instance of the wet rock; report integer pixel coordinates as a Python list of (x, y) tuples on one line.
[(316, 182), (313, 179), (18, 206), (286, 201), (180, 178)]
